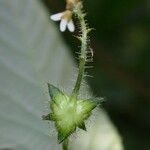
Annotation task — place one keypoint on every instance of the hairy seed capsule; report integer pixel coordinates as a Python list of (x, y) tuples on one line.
[(67, 113)]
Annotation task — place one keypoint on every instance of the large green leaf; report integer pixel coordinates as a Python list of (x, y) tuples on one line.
[(31, 54)]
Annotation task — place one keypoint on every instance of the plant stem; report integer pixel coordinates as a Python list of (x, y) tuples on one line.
[(82, 58), (65, 144)]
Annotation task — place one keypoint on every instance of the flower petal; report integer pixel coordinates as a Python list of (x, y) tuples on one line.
[(71, 26), (56, 17), (63, 25)]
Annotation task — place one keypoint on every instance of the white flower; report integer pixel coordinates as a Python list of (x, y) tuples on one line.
[(65, 19)]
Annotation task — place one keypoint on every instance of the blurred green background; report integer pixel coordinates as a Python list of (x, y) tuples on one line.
[(121, 63)]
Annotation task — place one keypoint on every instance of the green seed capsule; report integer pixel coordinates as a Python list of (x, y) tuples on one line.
[(68, 113)]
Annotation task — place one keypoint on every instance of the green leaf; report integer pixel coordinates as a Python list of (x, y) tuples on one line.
[(29, 46)]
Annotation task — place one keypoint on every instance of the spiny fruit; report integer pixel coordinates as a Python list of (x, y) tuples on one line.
[(68, 113)]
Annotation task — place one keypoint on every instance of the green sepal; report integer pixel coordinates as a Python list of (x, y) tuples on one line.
[(54, 92), (82, 126), (49, 117), (62, 135)]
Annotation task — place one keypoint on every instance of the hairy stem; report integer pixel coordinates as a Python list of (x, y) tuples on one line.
[(83, 52), (65, 144), (82, 56)]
